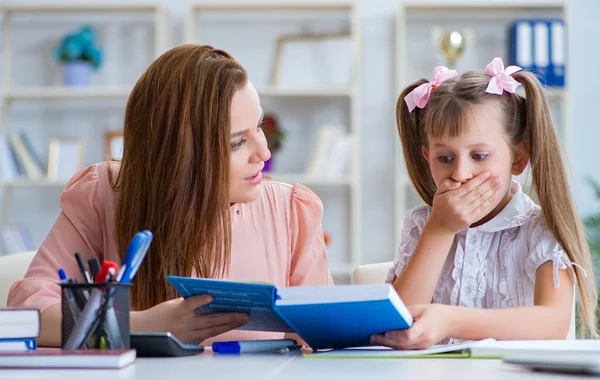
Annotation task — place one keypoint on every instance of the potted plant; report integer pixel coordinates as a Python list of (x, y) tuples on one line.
[(79, 56), (275, 137)]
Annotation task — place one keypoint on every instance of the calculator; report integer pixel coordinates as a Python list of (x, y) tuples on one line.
[(161, 344)]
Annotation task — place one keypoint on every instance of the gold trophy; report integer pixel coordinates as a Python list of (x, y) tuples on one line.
[(451, 46)]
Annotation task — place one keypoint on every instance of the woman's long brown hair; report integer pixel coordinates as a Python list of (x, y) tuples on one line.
[(527, 120), (174, 174)]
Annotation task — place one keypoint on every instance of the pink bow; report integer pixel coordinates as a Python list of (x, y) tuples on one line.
[(501, 78), (420, 95)]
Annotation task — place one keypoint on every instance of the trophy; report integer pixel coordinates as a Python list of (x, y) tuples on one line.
[(451, 46)]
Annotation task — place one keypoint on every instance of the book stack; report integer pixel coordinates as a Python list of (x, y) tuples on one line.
[(19, 329)]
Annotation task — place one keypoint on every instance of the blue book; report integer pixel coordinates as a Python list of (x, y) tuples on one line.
[(24, 344), (324, 316)]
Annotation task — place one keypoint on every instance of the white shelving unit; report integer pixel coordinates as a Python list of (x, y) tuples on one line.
[(344, 253), (489, 19), (57, 14)]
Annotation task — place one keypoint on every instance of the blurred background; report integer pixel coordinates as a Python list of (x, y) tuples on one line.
[(328, 73)]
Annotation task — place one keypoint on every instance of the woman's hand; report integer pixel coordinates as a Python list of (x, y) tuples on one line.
[(431, 326), (456, 206), (178, 316)]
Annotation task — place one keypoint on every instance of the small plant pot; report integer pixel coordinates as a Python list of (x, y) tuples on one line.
[(77, 74)]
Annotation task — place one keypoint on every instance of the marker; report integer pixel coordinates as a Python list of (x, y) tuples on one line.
[(236, 347)]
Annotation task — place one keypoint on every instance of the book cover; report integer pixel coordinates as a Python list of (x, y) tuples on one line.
[(323, 316), (255, 299)]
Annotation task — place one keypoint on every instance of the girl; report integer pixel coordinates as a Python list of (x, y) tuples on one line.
[(191, 173), (482, 259)]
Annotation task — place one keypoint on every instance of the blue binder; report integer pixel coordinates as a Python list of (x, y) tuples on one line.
[(538, 45)]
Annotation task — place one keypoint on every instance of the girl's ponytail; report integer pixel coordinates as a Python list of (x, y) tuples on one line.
[(551, 187), (413, 138)]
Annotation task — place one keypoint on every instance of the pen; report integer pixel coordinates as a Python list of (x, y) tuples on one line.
[(71, 302), (94, 265), (81, 265), (236, 347)]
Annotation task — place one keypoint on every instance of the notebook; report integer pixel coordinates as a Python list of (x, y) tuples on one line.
[(57, 358), (484, 349), (19, 323), (320, 315), (18, 344)]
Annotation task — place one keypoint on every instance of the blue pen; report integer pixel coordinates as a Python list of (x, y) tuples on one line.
[(236, 347), (136, 251), (71, 302)]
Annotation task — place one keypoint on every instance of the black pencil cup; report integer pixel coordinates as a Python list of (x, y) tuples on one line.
[(95, 316)]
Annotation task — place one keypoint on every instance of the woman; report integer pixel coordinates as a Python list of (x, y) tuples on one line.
[(191, 173)]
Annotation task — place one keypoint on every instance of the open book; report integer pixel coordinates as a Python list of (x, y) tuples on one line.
[(484, 349), (323, 316)]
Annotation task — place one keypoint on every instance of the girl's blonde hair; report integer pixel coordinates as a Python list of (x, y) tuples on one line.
[(527, 120)]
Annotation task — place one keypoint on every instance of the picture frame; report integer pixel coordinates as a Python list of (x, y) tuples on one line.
[(113, 145), (313, 61), (65, 158)]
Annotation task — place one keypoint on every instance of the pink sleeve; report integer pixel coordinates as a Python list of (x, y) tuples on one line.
[(77, 229), (309, 255)]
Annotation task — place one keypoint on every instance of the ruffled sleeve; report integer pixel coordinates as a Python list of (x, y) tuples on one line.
[(77, 229), (309, 254), (411, 231), (543, 247)]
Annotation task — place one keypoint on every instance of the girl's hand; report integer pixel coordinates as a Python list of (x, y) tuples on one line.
[(430, 327), (178, 316), (456, 206)]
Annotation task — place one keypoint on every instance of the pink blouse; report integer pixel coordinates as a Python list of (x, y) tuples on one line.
[(277, 239)]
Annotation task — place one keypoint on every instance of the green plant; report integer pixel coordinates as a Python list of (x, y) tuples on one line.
[(79, 46)]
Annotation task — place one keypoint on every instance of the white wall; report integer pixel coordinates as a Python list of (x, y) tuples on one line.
[(378, 137), (584, 84)]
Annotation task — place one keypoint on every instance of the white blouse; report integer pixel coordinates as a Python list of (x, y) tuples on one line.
[(492, 265)]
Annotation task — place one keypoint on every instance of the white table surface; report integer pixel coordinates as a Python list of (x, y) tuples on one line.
[(294, 366)]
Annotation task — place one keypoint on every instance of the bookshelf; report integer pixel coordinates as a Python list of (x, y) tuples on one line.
[(301, 110), (29, 86), (489, 20)]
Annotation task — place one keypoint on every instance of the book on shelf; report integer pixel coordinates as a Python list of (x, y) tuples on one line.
[(19, 159), (318, 314), (331, 155)]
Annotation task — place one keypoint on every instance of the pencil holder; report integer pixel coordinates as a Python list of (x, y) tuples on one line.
[(95, 316)]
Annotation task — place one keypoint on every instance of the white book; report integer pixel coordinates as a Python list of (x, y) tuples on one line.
[(487, 348), (57, 358), (327, 137), (339, 160), (19, 323)]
